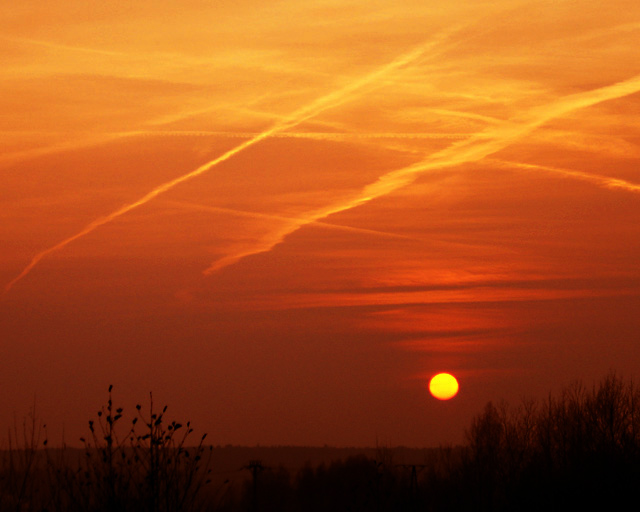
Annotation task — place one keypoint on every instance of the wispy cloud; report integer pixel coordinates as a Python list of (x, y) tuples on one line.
[(65, 47), (477, 147), (597, 179), (471, 294), (286, 219), (300, 115)]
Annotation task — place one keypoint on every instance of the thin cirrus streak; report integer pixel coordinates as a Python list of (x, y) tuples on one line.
[(293, 223), (597, 179), (85, 142), (470, 294), (168, 59), (465, 115), (314, 108), (18, 156), (282, 218), (60, 46), (477, 147), (331, 136)]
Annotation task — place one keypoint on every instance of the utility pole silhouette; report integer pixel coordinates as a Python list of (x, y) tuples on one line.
[(379, 475), (256, 467), (413, 485)]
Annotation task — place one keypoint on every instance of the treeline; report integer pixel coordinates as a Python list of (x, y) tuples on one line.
[(579, 449)]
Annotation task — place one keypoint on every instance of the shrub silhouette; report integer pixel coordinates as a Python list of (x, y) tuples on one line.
[(146, 467), (21, 466), (577, 449)]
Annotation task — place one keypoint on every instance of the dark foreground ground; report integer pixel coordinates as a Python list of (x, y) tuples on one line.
[(579, 450)]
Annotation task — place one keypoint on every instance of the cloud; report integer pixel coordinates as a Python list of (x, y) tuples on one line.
[(282, 218), (477, 147), (300, 115), (597, 179)]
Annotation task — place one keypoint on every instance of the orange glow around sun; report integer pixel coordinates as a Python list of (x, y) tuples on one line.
[(443, 386), (250, 198)]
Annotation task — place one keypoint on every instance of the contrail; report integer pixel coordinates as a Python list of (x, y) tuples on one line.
[(330, 136), (465, 115), (314, 108), (17, 156), (61, 46), (282, 218), (596, 179), (476, 148)]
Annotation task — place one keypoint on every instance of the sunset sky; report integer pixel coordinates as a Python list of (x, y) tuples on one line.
[(284, 217)]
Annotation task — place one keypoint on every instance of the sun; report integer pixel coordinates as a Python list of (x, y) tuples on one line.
[(443, 386)]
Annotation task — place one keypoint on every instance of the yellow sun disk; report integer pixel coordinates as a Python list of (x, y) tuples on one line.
[(443, 386)]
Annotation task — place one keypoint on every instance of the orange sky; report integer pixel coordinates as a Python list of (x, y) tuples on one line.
[(284, 217)]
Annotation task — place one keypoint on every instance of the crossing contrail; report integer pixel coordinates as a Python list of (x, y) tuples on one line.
[(300, 115), (286, 219), (477, 147)]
